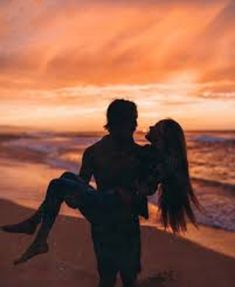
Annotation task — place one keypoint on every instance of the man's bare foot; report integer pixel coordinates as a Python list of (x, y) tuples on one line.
[(25, 227), (33, 250)]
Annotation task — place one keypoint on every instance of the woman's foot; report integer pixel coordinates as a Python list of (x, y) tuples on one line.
[(34, 249), (26, 227)]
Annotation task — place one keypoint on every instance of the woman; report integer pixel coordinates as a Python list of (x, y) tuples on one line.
[(164, 166)]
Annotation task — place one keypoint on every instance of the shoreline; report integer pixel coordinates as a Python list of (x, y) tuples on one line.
[(215, 239), (27, 191)]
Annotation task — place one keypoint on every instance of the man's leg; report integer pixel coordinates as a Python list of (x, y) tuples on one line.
[(131, 250), (129, 279), (106, 264), (107, 280)]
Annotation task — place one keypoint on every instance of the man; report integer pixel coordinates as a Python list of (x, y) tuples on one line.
[(113, 161)]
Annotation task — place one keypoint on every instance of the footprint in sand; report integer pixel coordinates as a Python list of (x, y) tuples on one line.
[(158, 280)]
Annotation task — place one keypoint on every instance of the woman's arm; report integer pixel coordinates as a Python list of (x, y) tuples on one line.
[(149, 184)]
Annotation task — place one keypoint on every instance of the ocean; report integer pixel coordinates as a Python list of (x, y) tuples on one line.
[(211, 158)]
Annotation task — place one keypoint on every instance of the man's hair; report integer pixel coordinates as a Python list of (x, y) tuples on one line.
[(121, 112)]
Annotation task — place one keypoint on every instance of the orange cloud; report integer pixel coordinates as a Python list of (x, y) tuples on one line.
[(101, 42), (59, 57)]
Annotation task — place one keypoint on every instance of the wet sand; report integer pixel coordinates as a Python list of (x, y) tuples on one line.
[(204, 257)]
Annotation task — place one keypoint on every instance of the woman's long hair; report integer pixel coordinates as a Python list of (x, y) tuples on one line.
[(175, 191)]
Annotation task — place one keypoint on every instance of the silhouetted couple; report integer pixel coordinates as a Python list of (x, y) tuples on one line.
[(125, 174)]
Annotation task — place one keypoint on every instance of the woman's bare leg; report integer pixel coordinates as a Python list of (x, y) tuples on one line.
[(77, 194), (29, 225), (58, 191)]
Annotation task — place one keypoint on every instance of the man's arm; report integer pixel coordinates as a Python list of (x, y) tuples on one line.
[(86, 170)]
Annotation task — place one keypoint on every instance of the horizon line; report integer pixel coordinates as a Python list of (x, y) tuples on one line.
[(13, 128)]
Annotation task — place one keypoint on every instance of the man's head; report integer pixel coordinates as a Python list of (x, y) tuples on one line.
[(121, 118)]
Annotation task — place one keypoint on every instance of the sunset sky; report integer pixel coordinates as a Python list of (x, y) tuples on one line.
[(62, 62)]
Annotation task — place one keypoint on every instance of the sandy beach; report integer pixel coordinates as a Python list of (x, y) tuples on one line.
[(167, 260), (204, 257)]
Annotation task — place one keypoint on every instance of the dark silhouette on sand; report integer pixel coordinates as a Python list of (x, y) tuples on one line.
[(125, 173)]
